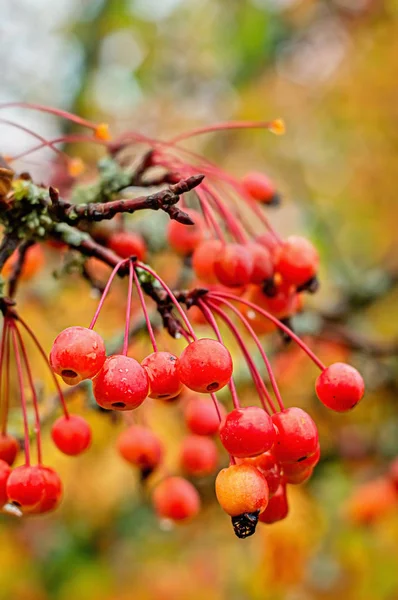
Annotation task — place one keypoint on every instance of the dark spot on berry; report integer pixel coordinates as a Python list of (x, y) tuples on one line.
[(212, 386), (118, 404), (68, 373), (245, 525), (301, 458), (172, 358), (15, 503)]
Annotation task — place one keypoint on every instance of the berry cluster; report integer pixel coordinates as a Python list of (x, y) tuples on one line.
[(244, 276), (31, 489)]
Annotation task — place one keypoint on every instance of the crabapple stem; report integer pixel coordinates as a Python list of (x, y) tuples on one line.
[(145, 311), (223, 127), (209, 216), (128, 309), (4, 358), (66, 139), (106, 290), (234, 225), (34, 394), (43, 354), (50, 110), (22, 394), (261, 350), (277, 322), (43, 140), (171, 296), (259, 383), (213, 323), (216, 405)]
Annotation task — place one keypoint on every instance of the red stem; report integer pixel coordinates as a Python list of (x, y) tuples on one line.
[(35, 135), (66, 139), (171, 295), (223, 127), (261, 350), (145, 311), (222, 295), (258, 382), (106, 290), (213, 323), (209, 216), (128, 310), (22, 394), (44, 355), (50, 110), (34, 395)]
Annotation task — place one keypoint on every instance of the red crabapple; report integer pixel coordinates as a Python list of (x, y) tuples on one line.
[(176, 498), (260, 187), (205, 365), (78, 353), (5, 471), (164, 381), (201, 416), (139, 446), (127, 244), (297, 435), (184, 238), (234, 265), (263, 267), (247, 431), (26, 487), (340, 387), (198, 455), (296, 260), (71, 434), (52, 491), (268, 466), (121, 384), (277, 508), (203, 259), (9, 448)]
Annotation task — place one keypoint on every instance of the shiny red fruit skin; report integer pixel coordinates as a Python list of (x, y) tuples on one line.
[(268, 466), (259, 186), (201, 416), (268, 240), (198, 456), (78, 353), (246, 432), (298, 477), (72, 435), (162, 371), (296, 260), (52, 491), (205, 366), (122, 384), (184, 238), (203, 260), (176, 498), (127, 244), (5, 472), (139, 446), (308, 463), (25, 487), (234, 265), (297, 435), (9, 448), (263, 267), (277, 508), (340, 387)]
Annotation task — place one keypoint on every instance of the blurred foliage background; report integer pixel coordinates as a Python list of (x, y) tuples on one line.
[(161, 66)]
